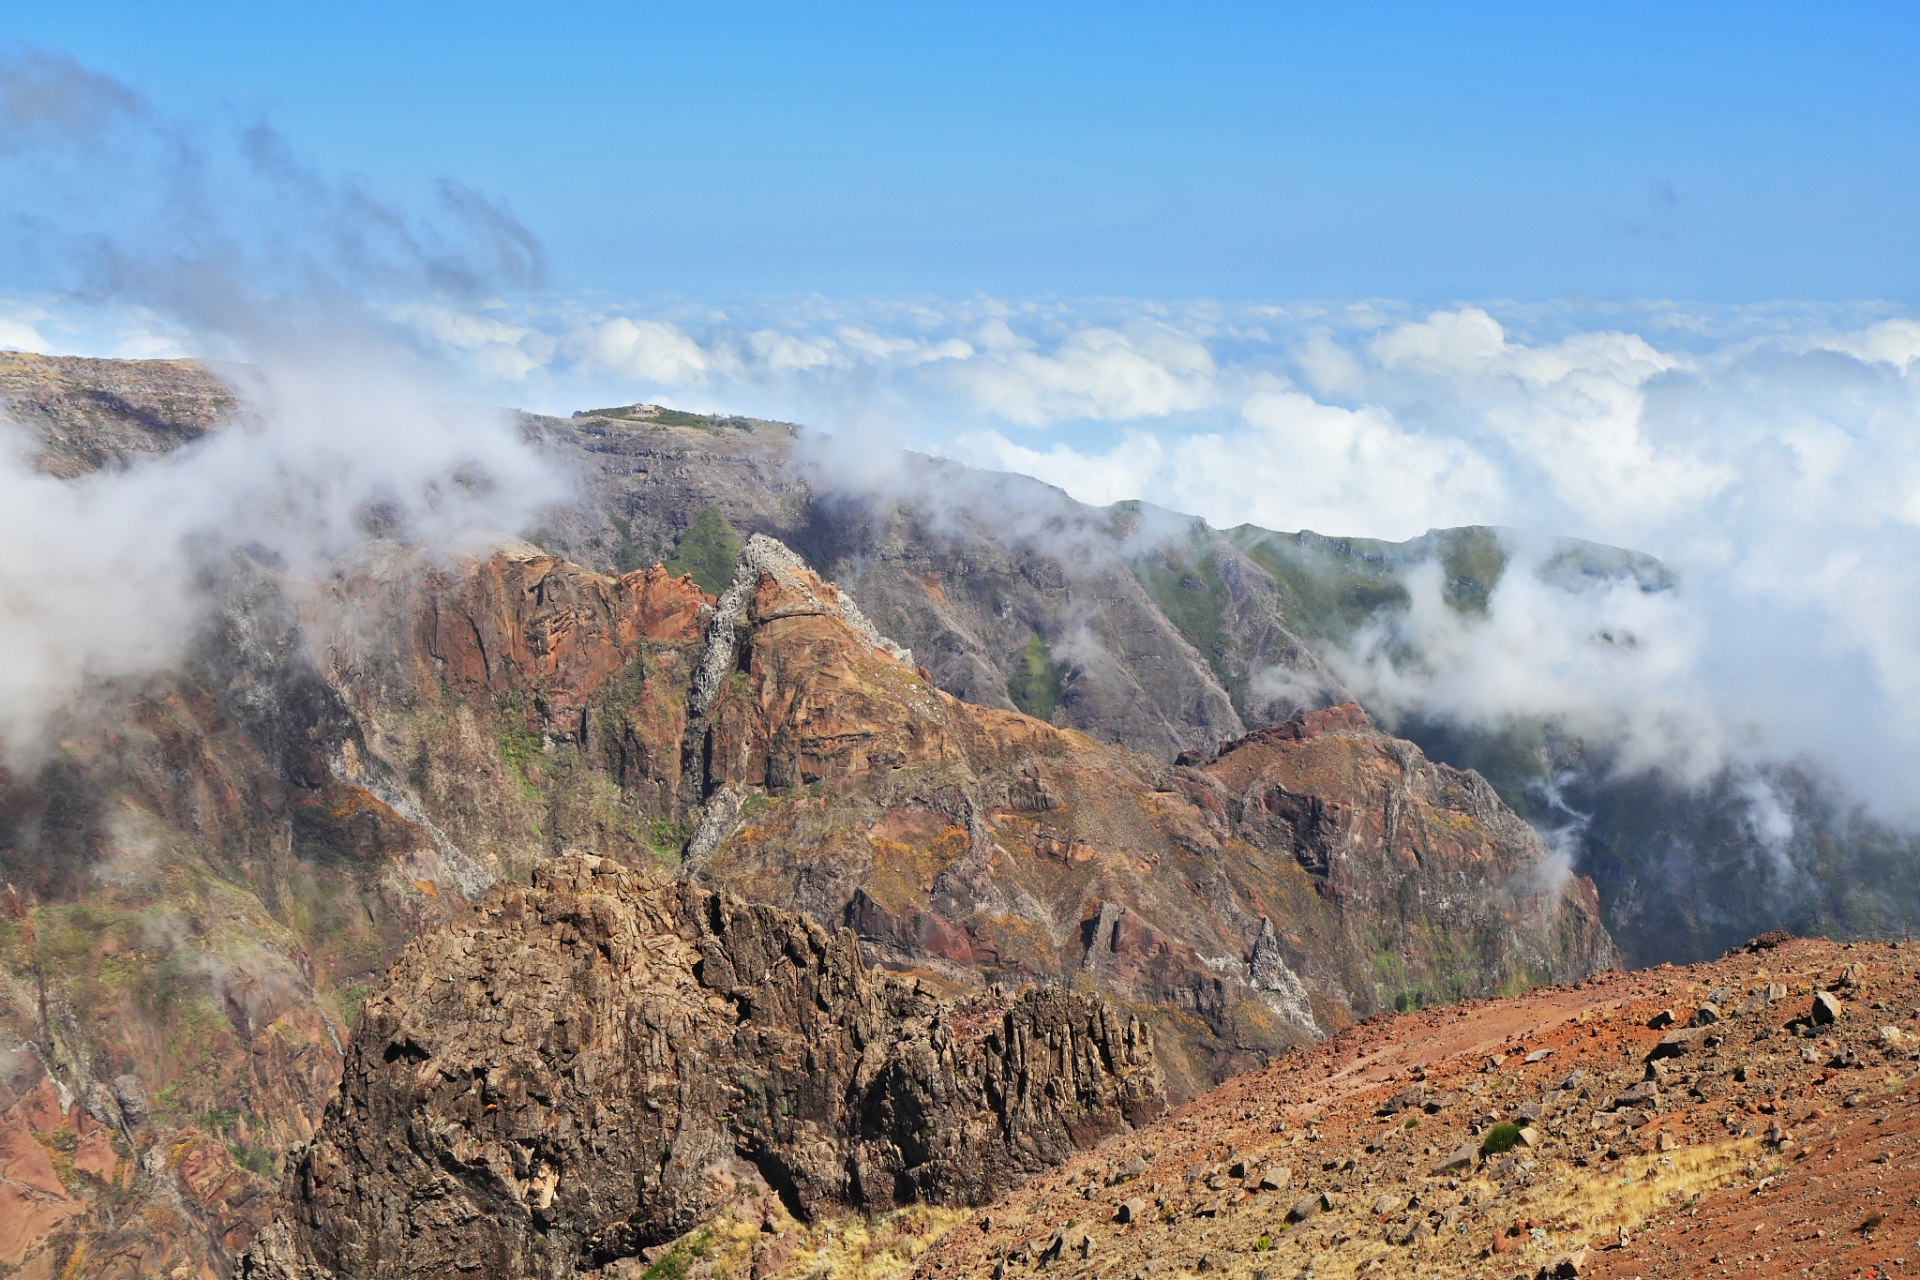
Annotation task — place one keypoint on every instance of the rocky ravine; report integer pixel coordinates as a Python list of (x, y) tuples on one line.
[(595, 1065)]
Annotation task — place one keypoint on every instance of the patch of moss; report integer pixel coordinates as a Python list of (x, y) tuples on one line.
[(708, 550), (1035, 684)]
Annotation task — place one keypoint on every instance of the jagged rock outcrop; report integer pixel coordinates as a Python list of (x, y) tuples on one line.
[(582, 1068)]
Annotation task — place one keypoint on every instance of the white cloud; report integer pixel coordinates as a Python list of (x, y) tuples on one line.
[(1098, 373), (649, 351)]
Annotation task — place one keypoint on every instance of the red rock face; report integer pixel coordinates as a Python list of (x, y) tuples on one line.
[(541, 626)]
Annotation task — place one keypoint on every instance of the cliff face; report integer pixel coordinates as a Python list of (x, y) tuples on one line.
[(1312, 873), (89, 414), (594, 1065)]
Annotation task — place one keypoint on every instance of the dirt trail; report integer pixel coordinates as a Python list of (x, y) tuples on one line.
[(1756, 1142)]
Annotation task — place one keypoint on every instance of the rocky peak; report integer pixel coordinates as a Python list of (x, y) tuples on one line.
[(594, 1064)]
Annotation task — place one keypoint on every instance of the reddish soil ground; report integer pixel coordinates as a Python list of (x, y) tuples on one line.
[(1757, 1142)]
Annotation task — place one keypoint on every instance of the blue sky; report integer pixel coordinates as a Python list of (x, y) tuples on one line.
[(1723, 153)]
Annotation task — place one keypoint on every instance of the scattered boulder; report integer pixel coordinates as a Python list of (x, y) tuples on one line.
[(1676, 1043), (1305, 1209), (1388, 1205), (1275, 1177), (1641, 1094), (1131, 1211), (99, 1103), (132, 1097), (1538, 1055), (1661, 1020), (1826, 1008), (1706, 1015), (1461, 1157)]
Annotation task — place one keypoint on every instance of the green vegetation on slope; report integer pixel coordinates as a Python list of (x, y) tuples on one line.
[(1187, 587), (1035, 684), (708, 550)]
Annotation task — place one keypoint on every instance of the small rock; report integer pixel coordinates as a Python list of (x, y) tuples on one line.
[(1678, 1042), (1572, 1079), (1706, 1015), (1527, 1112), (1538, 1055), (1388, 1205), (1274, 1177), (1304, 1210), (1131, 1211), (132, 1097), (1666, 1142), (1567, 1265), (1493, 1062), (1660, 1020), (1530, 1137), (1776, 992), (1892, 1035), (1461, 1157), (1826, 1008), (1645, 1091), (99, 1103)]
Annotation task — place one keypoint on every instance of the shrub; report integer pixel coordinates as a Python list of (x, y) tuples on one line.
[(1500, 1138)]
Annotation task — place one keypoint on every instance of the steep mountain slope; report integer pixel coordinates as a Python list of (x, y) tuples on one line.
[(1130, 624), (211, 867)]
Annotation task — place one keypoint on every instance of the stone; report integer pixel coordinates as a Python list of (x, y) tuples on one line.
[(1893, 1036), (1461, 1157), (1538, 1055), (1661, 1020), (1572, 1079), (1565, 1267), (1530, 1137), (1644, 1092), (131, 1096), (1679, 1042), (1826, 1008), (1304, 1209), (1275, 1177), (1131, 1211), (1388, 1205), (1706, 1015)]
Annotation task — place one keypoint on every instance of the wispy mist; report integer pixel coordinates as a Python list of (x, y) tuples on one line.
[(219, 242)]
